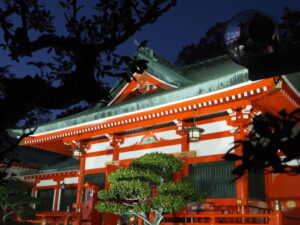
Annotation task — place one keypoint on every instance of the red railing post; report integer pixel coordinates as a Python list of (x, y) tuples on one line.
[(278, 217), (212, 220), (66, 222)]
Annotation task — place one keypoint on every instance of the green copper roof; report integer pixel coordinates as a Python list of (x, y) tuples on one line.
[(68, 165), (211, 69), (143, 102), (162, 69), (194, 80), (294, 81)]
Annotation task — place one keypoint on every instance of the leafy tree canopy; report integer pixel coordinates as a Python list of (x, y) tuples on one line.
[(81, 50), (209, 46), (131, 189), (15, 200)]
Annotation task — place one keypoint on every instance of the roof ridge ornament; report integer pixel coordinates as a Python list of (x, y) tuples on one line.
[(145, 50)]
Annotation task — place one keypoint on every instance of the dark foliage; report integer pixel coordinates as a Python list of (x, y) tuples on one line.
[(15, 201), (272, 143), (290, 27), (209, 46), (79, 56)]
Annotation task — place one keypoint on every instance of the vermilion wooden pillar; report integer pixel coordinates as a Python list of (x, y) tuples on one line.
[(57, 191), (115, 142), (240, 119), (185, 143), (80, 190), (242, 182)]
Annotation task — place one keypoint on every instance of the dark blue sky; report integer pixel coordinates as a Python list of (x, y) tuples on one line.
[(190, 19), (180, 26)]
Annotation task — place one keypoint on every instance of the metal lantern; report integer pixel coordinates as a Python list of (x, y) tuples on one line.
[(62, 185), (77, 152), (195, 133)]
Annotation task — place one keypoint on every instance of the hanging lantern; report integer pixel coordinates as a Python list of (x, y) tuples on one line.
[(77, 152), (62, 186), (194, 132)]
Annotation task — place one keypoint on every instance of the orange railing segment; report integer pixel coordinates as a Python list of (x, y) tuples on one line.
[(274, 218)]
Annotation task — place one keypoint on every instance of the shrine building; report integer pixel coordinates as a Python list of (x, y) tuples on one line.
[(153, 113)]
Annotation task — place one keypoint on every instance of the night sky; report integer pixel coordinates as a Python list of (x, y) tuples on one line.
[(190, 19), (182, 25)]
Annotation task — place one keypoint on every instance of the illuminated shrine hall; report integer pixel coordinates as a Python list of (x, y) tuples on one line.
[(154, 112)]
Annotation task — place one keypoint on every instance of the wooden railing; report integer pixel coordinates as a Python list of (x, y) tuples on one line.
[(217, 217), (54, 218), (246, 219), (205, 214)]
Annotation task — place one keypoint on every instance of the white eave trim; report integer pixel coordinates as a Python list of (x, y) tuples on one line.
[(150, 108)]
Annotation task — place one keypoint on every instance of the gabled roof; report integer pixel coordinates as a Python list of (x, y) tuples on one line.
[(141, 84), (99, 112), (160, 73), (195, 80)]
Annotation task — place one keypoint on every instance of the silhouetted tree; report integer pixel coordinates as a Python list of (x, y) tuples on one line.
[(272, 143), (209, 46), (290, 26), (79, 56)]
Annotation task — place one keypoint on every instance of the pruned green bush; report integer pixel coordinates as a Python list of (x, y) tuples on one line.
[(131, 193)]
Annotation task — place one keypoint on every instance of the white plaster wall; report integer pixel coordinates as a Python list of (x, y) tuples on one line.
[(215, 127), (97, 161), (70, 180), (167, 135), (139, 153), (212, 147), (131, 141), (99, 147), (48, 182)]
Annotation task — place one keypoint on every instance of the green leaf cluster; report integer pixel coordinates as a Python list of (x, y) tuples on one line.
[(142, 207), (134, 174), (129, 189), (160, 164), (168, 203), (182, 188), (112, 207)]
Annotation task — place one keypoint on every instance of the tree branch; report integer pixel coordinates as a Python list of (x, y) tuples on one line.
[(5, 216), (47, 41), (142, 217), (133, 28)]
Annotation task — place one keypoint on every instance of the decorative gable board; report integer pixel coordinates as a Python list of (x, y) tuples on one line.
[(136, 154), (141, 84)]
